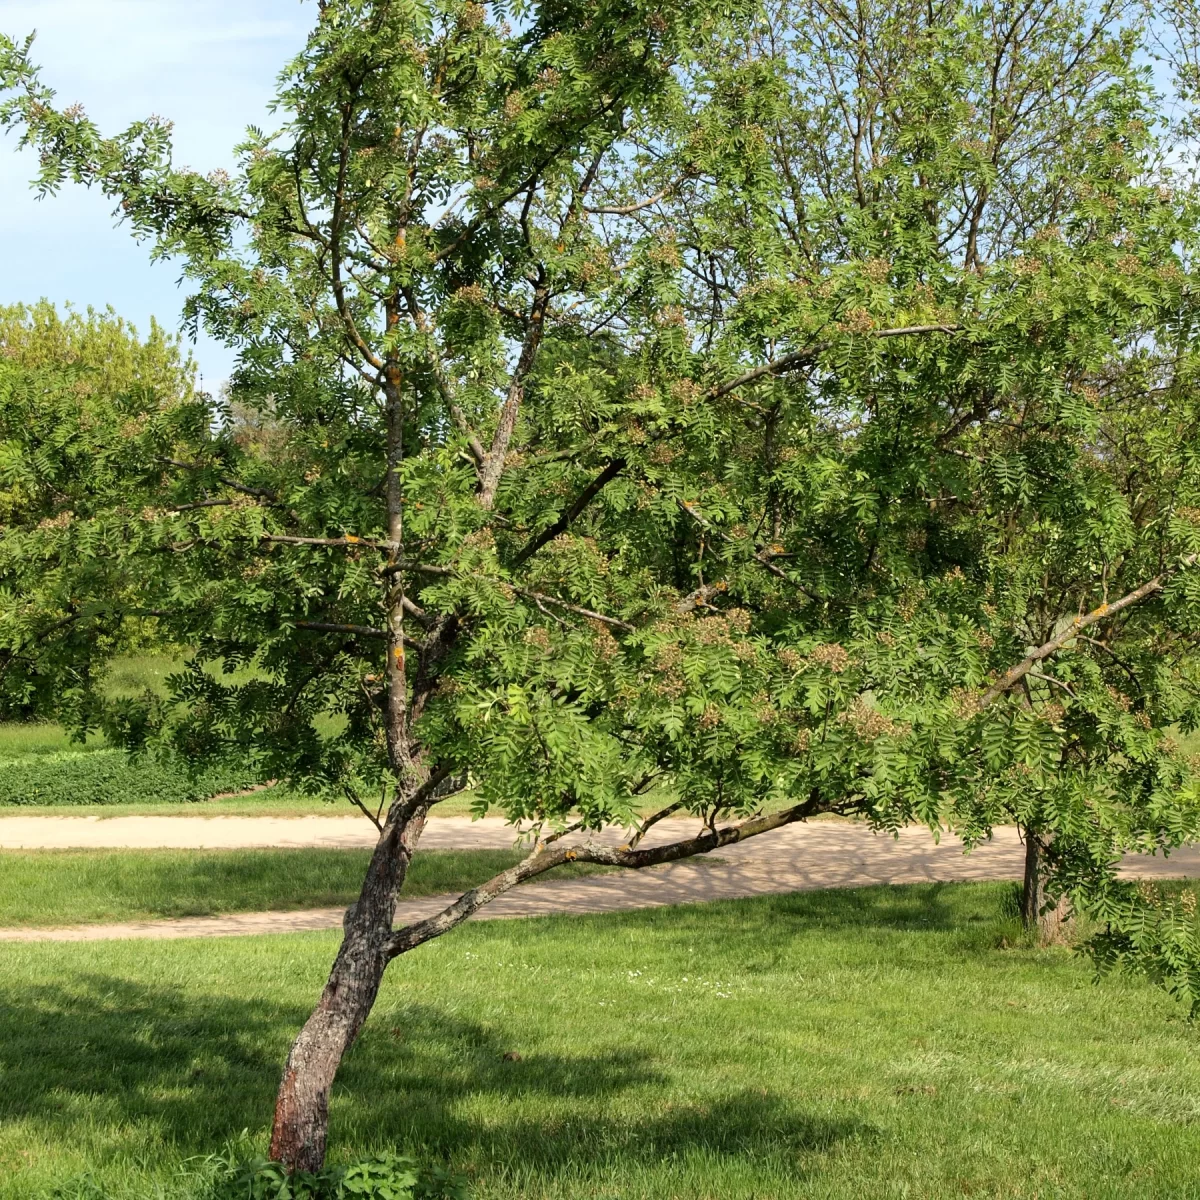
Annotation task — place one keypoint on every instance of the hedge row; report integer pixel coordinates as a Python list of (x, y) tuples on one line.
[(108, 777)]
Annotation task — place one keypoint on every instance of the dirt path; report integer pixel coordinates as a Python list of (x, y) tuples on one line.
[(797, 858), (191, 833)]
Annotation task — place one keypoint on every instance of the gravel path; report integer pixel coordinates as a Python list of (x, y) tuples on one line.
[(821, 854)]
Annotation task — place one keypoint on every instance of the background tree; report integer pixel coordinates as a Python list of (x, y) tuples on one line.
[(87, 410), (787, 410)]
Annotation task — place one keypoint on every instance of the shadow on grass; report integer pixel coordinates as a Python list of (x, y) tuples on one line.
[(104, 1050), (750, 1125), (885, 909)]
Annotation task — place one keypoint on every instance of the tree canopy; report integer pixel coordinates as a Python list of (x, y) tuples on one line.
[(788, 409), (87, 410)]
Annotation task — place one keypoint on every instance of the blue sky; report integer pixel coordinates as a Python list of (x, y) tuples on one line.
[(208, 65)]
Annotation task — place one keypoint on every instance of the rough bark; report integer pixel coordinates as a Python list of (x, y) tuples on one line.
[(301, 1123), (1037, 913)]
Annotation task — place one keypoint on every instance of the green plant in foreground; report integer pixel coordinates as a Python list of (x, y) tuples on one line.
[(794, 413), (382, 1177), (236, 1176)]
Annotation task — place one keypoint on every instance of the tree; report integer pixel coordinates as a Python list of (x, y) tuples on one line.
[(86, 411), (787, 408)]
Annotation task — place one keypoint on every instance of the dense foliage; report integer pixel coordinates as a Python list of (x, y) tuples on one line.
[(87, 411), (790, 407), (381, 1177), (109, 777)]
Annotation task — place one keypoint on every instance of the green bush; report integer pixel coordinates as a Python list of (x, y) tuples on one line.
[(382, 1177), (229, 1177), (109, 777)]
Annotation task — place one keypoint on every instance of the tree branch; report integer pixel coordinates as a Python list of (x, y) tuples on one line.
[(354, 799), (801, 358), (589, 493), (653, 820), (491, 469), (1104, 612), (545, 858), (762, 557), (699, 597), (245, 489), (348, 540), (330, 627), (625, 209), (575, 608)]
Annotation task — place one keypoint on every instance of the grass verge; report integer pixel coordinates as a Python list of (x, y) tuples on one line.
[(874, 1042), (76, 887)]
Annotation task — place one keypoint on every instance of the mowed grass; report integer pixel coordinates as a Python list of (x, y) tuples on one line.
[(847, 1044), (69, 887)]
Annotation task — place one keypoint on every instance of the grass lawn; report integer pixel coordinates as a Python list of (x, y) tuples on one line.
[(869, 1043), (22, 740), (69, 887)]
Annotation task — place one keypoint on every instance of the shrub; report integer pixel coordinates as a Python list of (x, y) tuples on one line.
[(233, 1176), (382, 1177), (109, 777)]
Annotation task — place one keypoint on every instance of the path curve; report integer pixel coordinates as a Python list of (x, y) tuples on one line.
[(821, 854)]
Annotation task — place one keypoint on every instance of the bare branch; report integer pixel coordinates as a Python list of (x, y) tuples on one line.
[(178, 508), (542, 598), (699, 597), (801, 358), (353, 797), (626, 209), (589, 493), (545, 858), (415, 611), (330, 627), (1066, 687), (653, 820), (558, 835), (1104, 612)]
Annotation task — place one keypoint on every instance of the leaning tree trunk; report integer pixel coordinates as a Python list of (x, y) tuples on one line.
[(301, 1124), (1036, 911)]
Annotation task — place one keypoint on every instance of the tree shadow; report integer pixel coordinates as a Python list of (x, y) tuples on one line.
[(918, 907), (750, 1125), (197, 1070), (458, 1092), (935, 907)]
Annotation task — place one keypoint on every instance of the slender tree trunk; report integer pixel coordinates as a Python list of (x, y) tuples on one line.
[(301, 1124), (1035, 914)]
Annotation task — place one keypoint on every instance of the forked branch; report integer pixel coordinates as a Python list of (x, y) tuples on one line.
[(1104, 612), (545, 858)]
